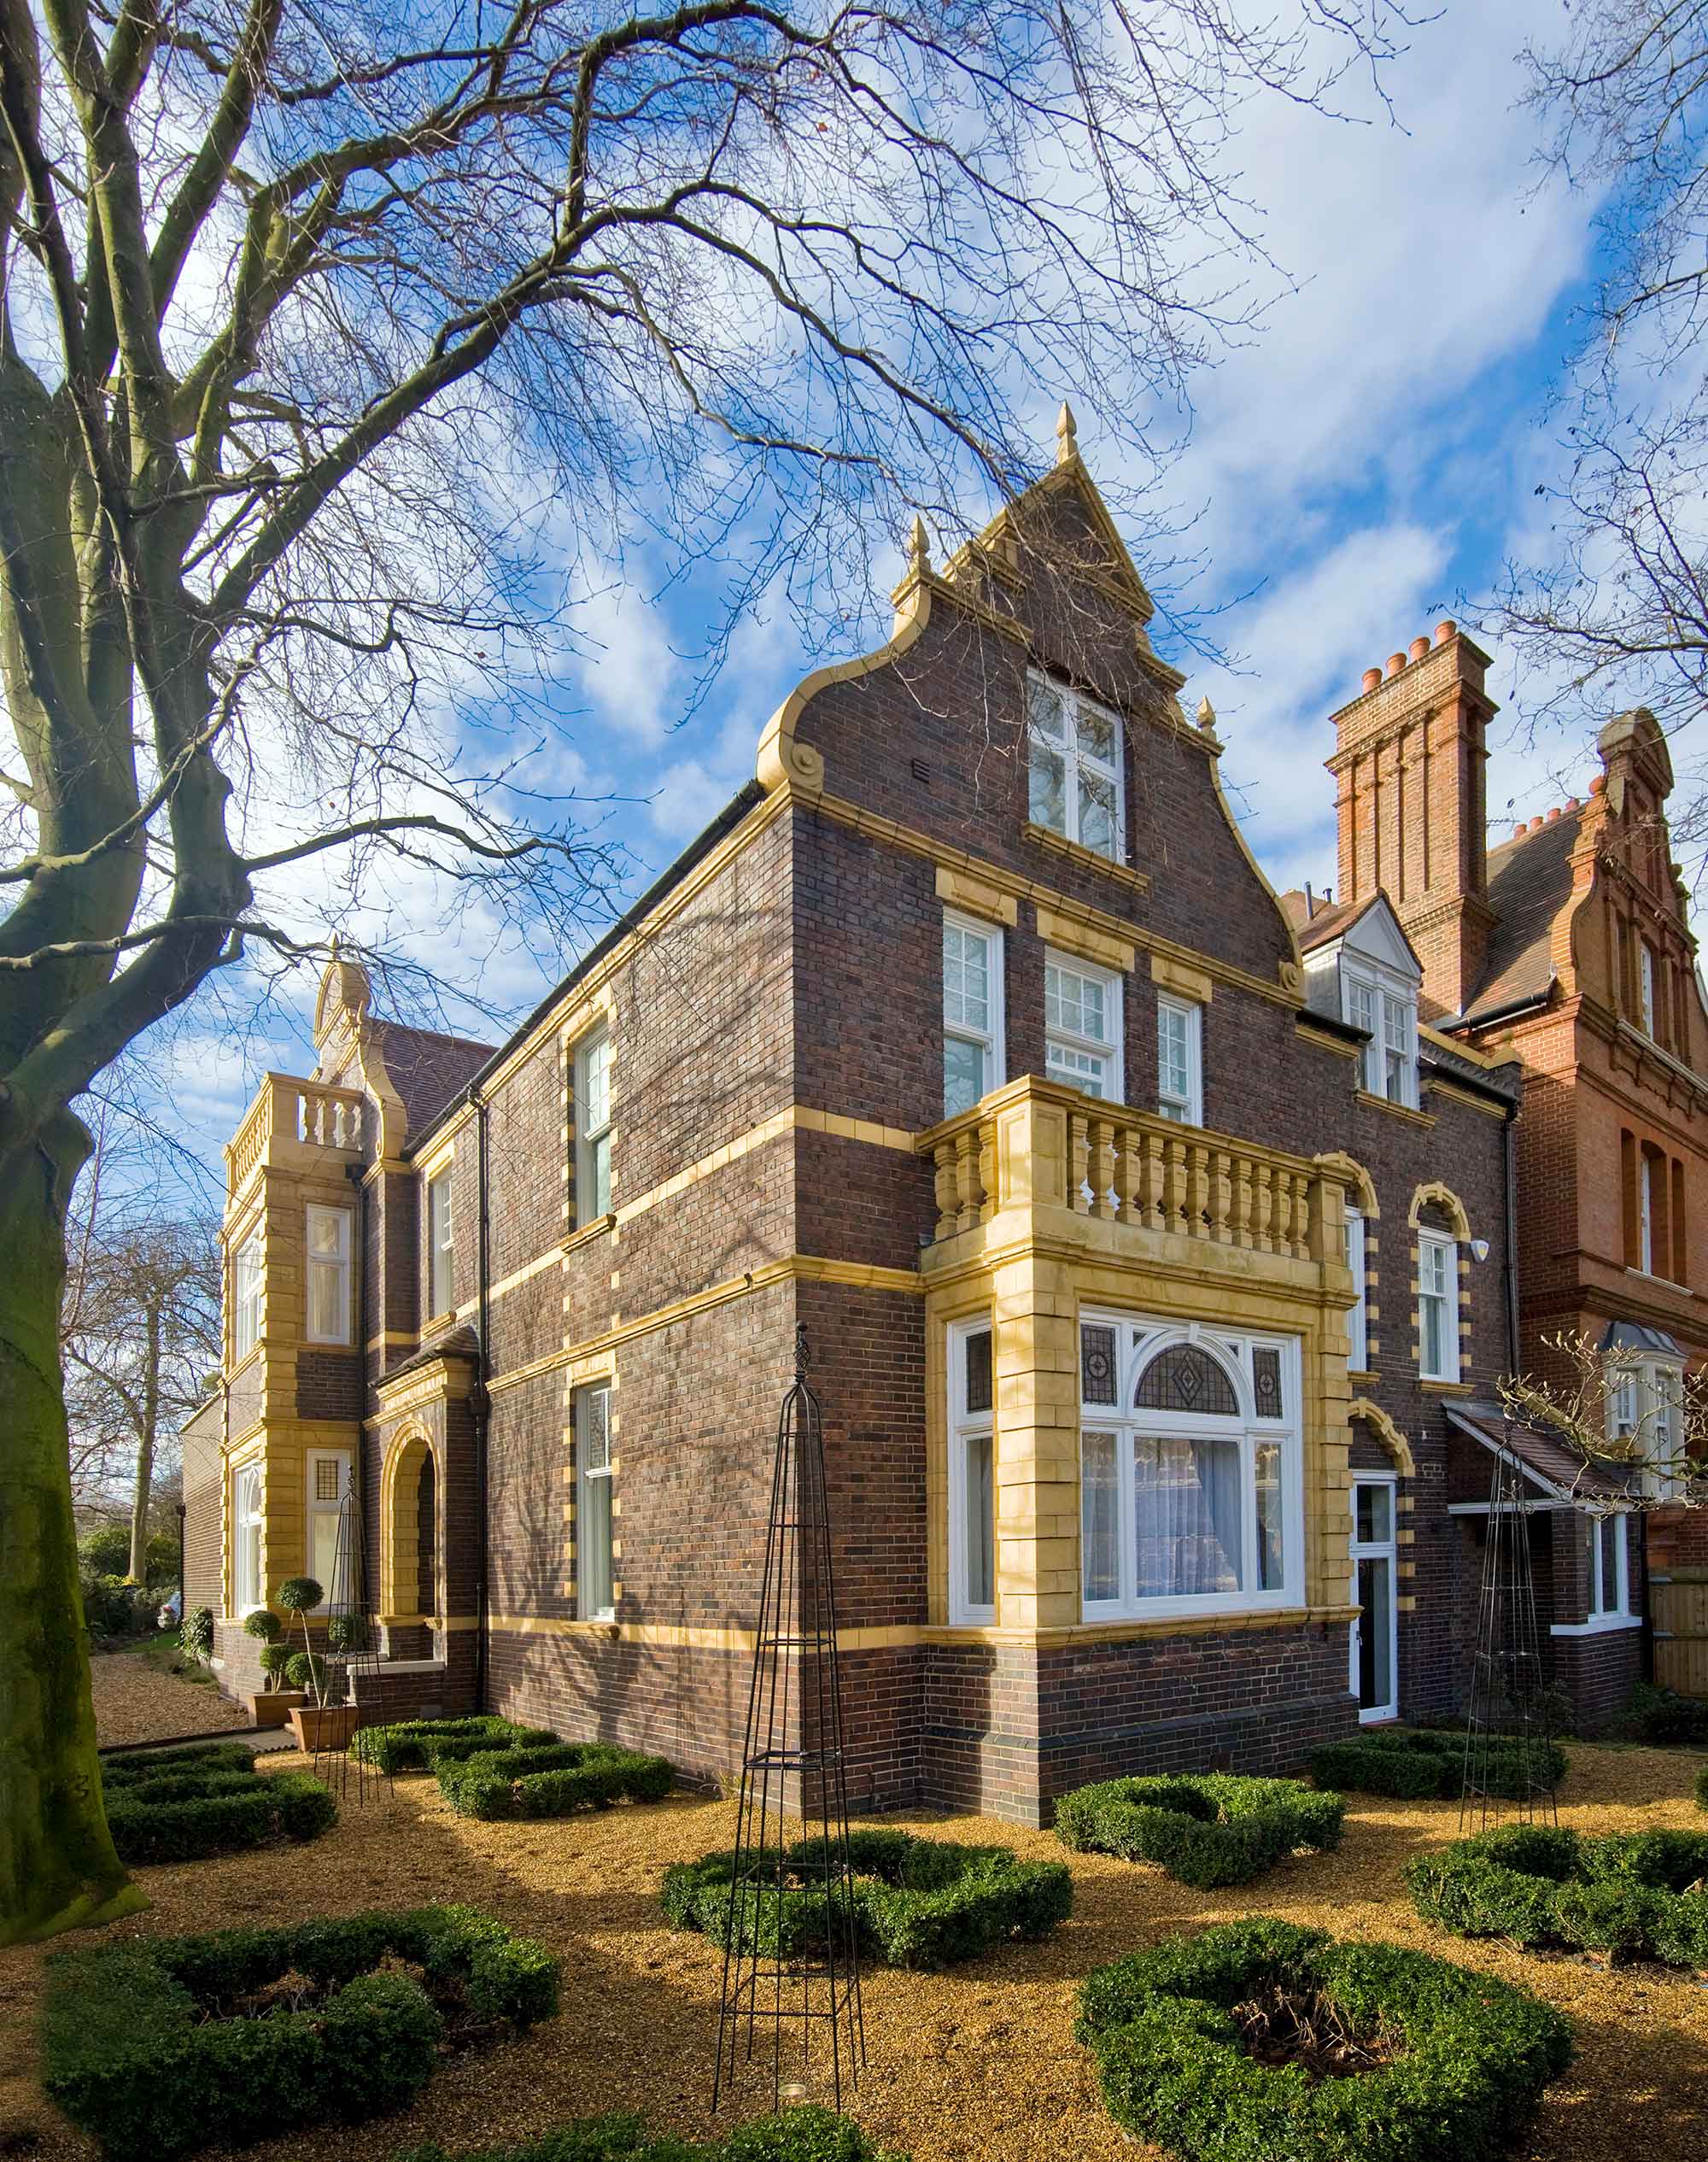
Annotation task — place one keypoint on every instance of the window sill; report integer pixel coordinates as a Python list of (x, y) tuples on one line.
[(1396, 1110), (1445, 1388), (1074, 852), (1665, 1283), (1602, 1624), (1190, 1613), (447, 1320), (588, 1232), (327, 1343), (1361, 1374)]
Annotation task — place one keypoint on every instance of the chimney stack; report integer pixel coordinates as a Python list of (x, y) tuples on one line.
[(1409, 764)]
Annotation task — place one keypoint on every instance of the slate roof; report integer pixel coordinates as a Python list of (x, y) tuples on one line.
[(460, 1343), (1530, 882), (1560, 1472), (428, 1070), (1329, 922)]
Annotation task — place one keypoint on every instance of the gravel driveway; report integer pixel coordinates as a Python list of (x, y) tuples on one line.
[(136, 1702)]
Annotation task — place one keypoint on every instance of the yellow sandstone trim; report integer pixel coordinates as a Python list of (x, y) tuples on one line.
[(1395, 1111), (961, 889), (1083, 939), (1184, 980), (1442, 1197), (1467, 1096), (784, 763), (1386, 1432)]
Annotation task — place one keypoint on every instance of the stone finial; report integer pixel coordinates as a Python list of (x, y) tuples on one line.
[(1207, 716), (1066, 436), (919, 548)]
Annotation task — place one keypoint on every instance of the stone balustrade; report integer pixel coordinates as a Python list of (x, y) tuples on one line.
[(292, 1116)]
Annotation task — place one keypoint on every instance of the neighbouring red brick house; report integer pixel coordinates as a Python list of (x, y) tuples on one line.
[(971, 1035), (1567, 948)]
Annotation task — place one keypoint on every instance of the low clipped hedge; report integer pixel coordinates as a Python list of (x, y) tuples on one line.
[(1627, 1895), (184, 1805), (1218, 1828), (1416, 1764), (1667, 1716), (423, 1744), (551, 1780), (916, 1902), (1700, 1787), (809, 2135), (1474, 2057), (159, 2046)]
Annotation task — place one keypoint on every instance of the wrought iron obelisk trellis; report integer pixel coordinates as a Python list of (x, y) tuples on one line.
[(1507, 1715), (353, 1646), (792, 1963)]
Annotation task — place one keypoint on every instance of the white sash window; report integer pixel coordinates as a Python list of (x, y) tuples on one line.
[(972, 1474), (329, 1275)]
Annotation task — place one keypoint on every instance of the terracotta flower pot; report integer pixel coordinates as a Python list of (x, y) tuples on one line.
[(323, 1727), (273, 1706)]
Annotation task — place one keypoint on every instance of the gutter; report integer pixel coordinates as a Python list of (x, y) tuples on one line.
[(1509, 1270), (355, 1173), (1530, 1002)]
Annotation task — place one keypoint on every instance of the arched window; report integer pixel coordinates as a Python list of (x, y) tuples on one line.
[(1186, 1378)]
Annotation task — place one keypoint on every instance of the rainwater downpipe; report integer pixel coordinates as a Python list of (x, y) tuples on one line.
[(1509, 1162), (481, 1395), (357, 1175)]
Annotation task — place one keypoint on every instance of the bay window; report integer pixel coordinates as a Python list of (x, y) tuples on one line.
[(595, 1586), (972, 1012), (1190, 1470), (1073, 767), (246, 1297), (1645, 1400), (972, 1475), (329, 1275), (1180, 1061), (1437, 1306), (1082, 1022)]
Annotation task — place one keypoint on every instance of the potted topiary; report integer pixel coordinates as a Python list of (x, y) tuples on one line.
[(322, 1724), (271, 1705)]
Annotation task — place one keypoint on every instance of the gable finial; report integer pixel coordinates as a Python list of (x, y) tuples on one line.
[(1207, 716), (1067, 435), (918, 547)]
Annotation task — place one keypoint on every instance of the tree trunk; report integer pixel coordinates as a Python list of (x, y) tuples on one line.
[(57, 1867), (142, 1492)]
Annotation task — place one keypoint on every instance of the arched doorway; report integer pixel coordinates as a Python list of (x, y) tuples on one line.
[(410, 1544)]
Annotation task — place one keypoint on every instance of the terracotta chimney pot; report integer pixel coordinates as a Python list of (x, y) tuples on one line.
[(1597, 784), (1536, 823), (1396, 663), (1554, 813), (1419, 647), (1572, 804), (1520, 830), (1446, 629), (1372, 676)]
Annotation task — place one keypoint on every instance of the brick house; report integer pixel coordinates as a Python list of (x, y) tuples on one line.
[(971, 1035), (1566, 948)]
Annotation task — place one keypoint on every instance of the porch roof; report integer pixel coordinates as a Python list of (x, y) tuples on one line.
[(1557, 1471)]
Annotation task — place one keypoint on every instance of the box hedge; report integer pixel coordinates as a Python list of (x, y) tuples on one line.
[(183, 1805), (915, 1903), (159, 2046), (807, 2135), (1629, 1894), (1667, 1717), (1414, 1764), (1218, 1828), (423, 1744), (1475, 2054), (552, 1779), (1700, 1787)]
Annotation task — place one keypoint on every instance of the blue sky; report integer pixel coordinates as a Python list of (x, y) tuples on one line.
[(1365, 460)]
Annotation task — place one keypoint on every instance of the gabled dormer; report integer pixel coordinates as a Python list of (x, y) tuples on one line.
[(1361, 969)]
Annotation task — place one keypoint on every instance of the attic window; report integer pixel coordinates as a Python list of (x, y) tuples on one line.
[(1073, 767), (1387, 1008)]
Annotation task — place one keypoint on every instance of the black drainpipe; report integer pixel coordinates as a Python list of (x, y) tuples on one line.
[(1509, 1165), (480, 1399), (355, 1173)]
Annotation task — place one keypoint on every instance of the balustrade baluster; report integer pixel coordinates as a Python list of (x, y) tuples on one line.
[(966, 1179), (987, 1169), (1103, 1169), (1174, 1185), (943, 1183), (1197, 1189), (1078, 1154), (1222, 1197), (1265, 1209)]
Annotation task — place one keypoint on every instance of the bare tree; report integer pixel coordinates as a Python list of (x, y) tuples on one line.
[(1595, 1401), (341, 343), (1614, 611)]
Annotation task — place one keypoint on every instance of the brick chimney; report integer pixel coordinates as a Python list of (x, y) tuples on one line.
[(1409, 766)]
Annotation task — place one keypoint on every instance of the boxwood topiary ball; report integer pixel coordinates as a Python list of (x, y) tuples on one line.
[(275, 1658), (266, 1625), (297, 1595), (304, 1671)]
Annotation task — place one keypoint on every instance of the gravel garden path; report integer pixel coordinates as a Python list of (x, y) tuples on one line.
[(975, 2065), (138, 1702)]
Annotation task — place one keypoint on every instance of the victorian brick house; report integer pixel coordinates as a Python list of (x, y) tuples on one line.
[(1567, 948), (971, 1035)]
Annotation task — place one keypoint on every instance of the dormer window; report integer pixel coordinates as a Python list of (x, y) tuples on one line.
[(1073, 767), (1388, 1009)]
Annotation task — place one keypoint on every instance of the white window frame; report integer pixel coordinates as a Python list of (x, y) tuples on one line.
[(990, 1039), (248, 1515), (1646, 1404), (1387, 1550), (338, 1264), (1386, 1005), (1074, 758), (1072, 1043), (592, 1128), (248, 1279), (965, 1427), (1608, 1603), (1443, 1243), (586, 1479), (1646, 985), (316, 1509), (1358, 1314), (1187, 1110), (1138, 1340), (441, 1243)]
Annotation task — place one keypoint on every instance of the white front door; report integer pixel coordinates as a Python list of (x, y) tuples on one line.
[(1375, 1634)]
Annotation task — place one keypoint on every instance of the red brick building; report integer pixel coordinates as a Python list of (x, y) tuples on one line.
[(971, 1035), (1567, 948)]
